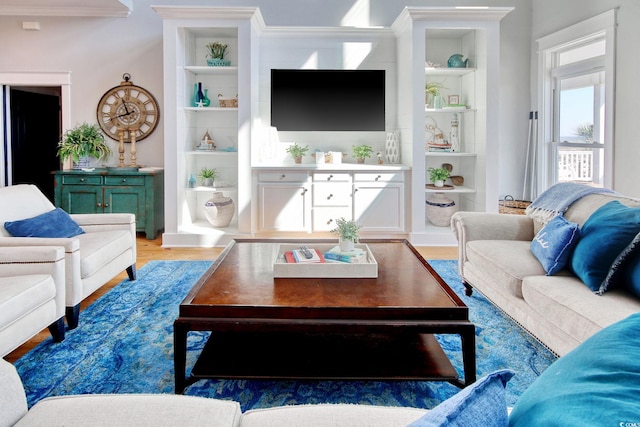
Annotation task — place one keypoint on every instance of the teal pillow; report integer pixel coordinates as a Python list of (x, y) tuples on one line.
[(596, 384), (480, 404), (554, 244), (604, 235), (55, 223), (622, 272)]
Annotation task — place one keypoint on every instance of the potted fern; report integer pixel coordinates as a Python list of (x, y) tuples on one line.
[(208, 176), (215, 54), (81, 143), (348, 232), (361, 152), (297, 152), (438, 176)]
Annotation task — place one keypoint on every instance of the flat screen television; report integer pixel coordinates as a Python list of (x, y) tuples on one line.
[(328, 100)]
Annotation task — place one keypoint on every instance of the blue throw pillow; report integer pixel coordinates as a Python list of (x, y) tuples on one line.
[(480, 404), (604, 235), (55, 223), (621, 271), (554, 244), (596, 384)]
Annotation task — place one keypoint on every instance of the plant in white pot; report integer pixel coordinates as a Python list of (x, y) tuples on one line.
[(438, 176), (208, 176), (348, 232), (82, 142)]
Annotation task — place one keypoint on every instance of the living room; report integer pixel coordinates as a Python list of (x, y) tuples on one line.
[(133, 43)]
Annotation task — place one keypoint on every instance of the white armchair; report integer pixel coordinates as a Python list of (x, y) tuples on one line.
[(107, 247), (31, 294)]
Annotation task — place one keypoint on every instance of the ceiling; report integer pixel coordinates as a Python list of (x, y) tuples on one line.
[(102, 8)]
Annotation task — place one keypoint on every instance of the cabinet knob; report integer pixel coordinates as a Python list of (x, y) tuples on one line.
[(329, 222), (106, 205), (329, 178), (329, 197), (303, 192), (378, 177), (283, 176), (82, 179), (124, 179), (99, 205)]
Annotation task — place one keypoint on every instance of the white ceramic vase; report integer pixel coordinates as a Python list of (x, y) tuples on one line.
[(392, 147), (439, 210), (219, 210), (346, 245)]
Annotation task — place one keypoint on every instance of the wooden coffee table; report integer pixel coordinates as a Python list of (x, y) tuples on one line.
[(348, 328)]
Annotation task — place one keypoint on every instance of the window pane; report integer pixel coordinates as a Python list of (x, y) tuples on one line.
[(576, 110), (581, 53), (583, 165)]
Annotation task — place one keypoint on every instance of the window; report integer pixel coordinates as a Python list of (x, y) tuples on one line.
[(575, 104)]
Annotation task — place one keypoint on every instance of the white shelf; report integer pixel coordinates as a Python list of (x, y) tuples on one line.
[(210, 109), (448, 154), (449, 110), (203, 189), (205, 69), (456, 189), (444, 71), (211, 153)]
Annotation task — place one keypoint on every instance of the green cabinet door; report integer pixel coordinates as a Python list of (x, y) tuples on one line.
[(125, 200), (81, 199)]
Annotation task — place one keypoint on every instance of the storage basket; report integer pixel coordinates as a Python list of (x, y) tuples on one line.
[(511, 206), (228, 102)]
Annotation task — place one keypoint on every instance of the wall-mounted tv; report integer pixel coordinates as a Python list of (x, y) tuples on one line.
[(328, 100)]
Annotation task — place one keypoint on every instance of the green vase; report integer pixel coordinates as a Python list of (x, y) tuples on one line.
[(206, 101)]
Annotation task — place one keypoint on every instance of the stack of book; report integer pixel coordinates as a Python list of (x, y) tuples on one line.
[(438, 147), (356, 256), (298, 256)]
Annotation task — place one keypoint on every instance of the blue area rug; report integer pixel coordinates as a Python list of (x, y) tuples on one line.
[(124, 344)]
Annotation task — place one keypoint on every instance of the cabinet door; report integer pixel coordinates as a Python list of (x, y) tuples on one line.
[(81, 199), (126, 200), (284, 207), (379, 206)]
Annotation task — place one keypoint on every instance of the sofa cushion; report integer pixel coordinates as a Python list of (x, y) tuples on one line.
[(604, 235), (554, 244), (99, 248), (326, 415), (595, 384), (508, 261), (132, 410), (480, 404), (621, 273), (54, 223), (21, 295), (569, 305)]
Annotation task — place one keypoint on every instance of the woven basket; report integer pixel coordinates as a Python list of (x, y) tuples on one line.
[(511, 206), (228, 102)]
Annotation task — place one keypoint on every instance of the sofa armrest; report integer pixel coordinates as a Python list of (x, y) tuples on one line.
[(70, 244), (105, 222), (469, 226)]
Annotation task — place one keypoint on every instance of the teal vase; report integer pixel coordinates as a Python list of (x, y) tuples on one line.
[(195, 99), (206, 101)]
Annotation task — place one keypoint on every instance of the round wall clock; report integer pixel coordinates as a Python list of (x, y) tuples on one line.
[(128, 112)]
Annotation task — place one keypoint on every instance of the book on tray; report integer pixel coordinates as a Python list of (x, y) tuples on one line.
[(298, 256), (356, 256)]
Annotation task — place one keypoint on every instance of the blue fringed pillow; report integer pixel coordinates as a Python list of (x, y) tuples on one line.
[(55, 223), (621, 274), (596, 384), (554, 244), (604, 235), (482, 403)]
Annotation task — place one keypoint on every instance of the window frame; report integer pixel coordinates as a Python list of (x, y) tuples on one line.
[(600, 27)]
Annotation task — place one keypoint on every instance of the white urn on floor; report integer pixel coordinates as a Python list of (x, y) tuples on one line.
[(219, 210)]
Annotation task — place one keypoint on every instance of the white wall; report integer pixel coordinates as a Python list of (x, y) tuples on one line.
[(552, 15)]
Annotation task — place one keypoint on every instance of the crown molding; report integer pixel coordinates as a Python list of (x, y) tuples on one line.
[(107, 9)]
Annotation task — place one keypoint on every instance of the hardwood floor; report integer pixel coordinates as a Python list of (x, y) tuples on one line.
[(149, 250)]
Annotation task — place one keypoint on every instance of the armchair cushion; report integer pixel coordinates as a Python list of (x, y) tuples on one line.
[(54, 223)]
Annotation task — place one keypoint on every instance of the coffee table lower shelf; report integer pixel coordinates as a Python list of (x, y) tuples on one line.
[(327, 357)]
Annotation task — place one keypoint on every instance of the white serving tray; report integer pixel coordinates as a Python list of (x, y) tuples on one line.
[(281, 268)]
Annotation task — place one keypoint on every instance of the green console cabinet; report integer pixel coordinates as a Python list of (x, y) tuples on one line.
[(112, 191)]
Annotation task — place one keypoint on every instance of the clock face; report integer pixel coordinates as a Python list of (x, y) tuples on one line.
[(128, 110)]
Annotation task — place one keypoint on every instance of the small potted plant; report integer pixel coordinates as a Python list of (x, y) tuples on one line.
[(208, 175), (438, 176), (432, 89), (361, 152), (81, 143), (215, 54), (297, 152), (348, 233)]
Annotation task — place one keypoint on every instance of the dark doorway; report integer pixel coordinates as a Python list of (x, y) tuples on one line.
[(35, 132)]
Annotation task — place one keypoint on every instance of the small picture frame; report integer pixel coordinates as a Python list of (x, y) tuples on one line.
[(454, 99)]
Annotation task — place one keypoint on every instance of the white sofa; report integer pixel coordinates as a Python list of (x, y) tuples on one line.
[(495, 258), (31, 294), (107, 247)]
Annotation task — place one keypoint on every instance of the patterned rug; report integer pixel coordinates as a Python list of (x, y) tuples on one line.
[(124, 344)]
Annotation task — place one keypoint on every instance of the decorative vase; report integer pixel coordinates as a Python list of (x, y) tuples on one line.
[(200, 95), (346, 245), (82, 163), (439, 183), (207, 182), (439, 210), (392, 147), (219, 210), (205, 100), (437, 101), (195, 99), (218, 62)]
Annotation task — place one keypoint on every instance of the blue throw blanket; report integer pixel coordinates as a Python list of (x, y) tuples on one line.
[(557, 199)]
